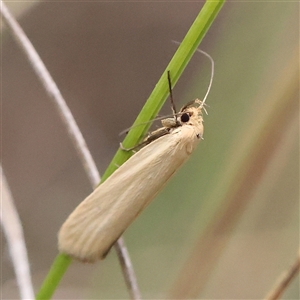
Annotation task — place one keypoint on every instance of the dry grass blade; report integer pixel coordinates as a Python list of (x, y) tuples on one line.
[(13, 230), (71, 126)]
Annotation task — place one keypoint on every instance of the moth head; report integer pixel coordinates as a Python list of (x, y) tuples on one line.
[(191, 113)]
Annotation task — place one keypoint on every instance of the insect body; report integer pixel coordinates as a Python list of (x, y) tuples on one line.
[(96, 224)]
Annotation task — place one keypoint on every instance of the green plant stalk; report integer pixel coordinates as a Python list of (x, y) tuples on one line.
[(55, 274), (151, 108)]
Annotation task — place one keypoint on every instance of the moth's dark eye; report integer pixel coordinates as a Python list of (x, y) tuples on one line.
[(185, 117)]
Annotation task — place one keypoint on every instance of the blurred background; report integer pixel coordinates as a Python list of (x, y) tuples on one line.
[(227, 225)]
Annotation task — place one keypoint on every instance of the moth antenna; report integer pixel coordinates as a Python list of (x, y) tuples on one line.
[(203, 107), (211, 76), (175, 114), (171, 95)]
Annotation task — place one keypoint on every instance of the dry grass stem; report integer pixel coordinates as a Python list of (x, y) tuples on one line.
[(13, 230), (73, 131)]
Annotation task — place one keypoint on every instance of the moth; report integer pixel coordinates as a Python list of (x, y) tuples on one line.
[(97, 222)]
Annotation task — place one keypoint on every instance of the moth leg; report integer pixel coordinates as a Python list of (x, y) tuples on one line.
[(132, 148), (117, 166), (152, 136)]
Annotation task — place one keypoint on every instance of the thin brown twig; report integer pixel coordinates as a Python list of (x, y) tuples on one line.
[(127, 269), (73, 131), (13, 230), (284, 280)]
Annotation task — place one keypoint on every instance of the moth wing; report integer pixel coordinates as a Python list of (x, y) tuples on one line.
[(102, 217)]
